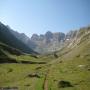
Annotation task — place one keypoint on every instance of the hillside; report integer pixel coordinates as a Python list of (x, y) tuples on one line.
[(7, 52), (65, 69), (71, 71), (8, 38), (24, 38)]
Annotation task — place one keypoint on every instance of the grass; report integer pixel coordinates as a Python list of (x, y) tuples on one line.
[(70, 71), (74, 68), (72, 65), (15, 75), (18, 75)]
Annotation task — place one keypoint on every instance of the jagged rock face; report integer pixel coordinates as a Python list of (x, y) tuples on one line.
[(49, 35), (49, 41), (41, 37), (58, 36), (71, 34), (35, 37)]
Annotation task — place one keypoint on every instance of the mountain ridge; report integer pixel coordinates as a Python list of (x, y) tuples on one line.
[(48, 42), (8, 38)]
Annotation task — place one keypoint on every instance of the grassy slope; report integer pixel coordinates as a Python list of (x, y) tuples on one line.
[(16, 74), (74, 68), (65, 67)]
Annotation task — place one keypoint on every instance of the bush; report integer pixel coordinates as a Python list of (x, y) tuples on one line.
[(34, 75), (63, 84)]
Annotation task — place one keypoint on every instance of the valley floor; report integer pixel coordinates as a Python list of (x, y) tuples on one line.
[(47, 76), (68, 69)]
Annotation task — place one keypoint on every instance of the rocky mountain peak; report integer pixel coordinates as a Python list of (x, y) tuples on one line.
[(35, 37), (49, 35)]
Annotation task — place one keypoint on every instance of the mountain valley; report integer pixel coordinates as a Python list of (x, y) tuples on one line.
[(53, 61)]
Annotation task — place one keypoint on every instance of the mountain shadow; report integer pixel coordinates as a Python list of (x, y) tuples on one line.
[(8, 38)]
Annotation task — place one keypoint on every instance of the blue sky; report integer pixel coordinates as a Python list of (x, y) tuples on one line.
[(39, 16)]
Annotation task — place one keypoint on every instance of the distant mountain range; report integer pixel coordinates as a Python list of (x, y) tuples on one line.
[(44, 43), (65, 63), (47, 43)]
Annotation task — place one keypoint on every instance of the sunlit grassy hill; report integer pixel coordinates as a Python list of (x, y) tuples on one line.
[(72, 66), (67, 69)]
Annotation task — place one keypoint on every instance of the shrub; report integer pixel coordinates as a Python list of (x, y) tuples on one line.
[(63, 84)]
